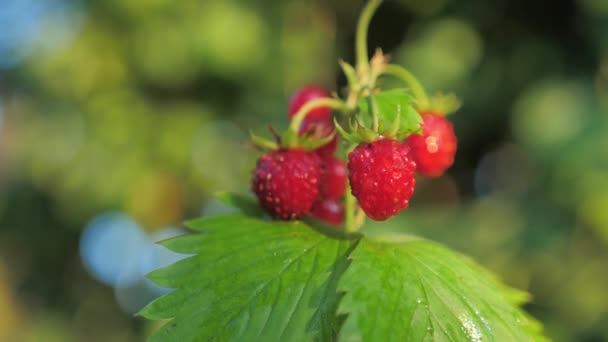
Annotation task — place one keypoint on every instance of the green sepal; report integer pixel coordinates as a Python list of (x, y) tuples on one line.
[(366, 134), (358, 131), (350, 73), (394, 130), (442, 104), (263, 143), (310, 143), (391, 104), (347, 136), (290, 138)]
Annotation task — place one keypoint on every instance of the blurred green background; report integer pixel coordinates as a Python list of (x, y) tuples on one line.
[(119, 119)]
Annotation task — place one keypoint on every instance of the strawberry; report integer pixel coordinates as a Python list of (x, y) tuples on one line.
[(321, 128), (434, 150), (318, 122), (286, 182), (328, 207), (305, 95), (330, 211), (381, 175), (333, 178)]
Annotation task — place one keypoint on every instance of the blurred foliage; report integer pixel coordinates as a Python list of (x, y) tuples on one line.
[(142, 107)]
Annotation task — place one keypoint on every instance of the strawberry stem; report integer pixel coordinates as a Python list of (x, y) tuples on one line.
[(349, 211), (373, 108), (353, 216), (411, 81), (351, 224), (332, 103), (361, 42)]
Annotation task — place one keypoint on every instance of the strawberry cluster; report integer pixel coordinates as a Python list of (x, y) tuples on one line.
[(393, 135), (292, 182)]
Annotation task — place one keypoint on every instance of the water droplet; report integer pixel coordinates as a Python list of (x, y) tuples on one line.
[(432, 144), (470, 328), (419, 300)]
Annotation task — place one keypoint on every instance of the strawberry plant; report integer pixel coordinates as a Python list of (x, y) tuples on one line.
[(292, 263)]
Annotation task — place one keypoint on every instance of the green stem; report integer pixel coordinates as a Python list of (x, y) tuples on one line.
[(350, 204), (361, 40), (349, 211), (332, 103), (410, 80), (373, 108)]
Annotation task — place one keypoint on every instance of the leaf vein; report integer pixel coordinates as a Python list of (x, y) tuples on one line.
[(297, 303), (265, 285), (426, 298), (464, 301)]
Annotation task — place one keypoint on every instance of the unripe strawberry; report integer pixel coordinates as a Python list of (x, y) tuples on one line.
[(381, 176), (434, 150), (305, 95), (330, 211), (286, 183)]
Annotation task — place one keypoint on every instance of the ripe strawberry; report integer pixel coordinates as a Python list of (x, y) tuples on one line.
[(330, 211), (286, 183), (382, 177), (333, 178), (318, 122), (305, 95), (328, 150), (434, 150)]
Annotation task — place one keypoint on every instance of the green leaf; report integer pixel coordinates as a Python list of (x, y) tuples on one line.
[(390, 103), (244, 203), (415, 290), (251, 280)]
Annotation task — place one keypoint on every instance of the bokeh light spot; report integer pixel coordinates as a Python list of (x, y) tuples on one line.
[(111, 247), (444, 53), (549, 114), (25, 22)]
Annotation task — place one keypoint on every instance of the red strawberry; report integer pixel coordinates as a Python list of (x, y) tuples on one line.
[(286, 183), (333, 178), (330, 211), (318, 121), (305, 95), (434, 150), (328, 150), (382, 177)]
